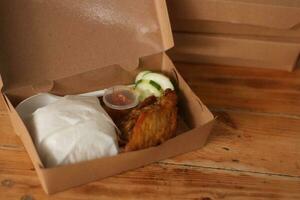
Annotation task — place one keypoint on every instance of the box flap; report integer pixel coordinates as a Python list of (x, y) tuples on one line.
[(45, 40), (272, 13)]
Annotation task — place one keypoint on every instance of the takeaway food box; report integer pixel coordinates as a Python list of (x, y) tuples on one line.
[(71, 47), (249, 33), (270, 18), (235, 51)]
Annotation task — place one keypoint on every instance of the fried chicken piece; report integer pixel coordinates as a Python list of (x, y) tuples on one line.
[(126, 124), (152, 123)]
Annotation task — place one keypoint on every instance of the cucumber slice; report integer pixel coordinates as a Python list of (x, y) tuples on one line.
[(140, 75), (160, 79), (143, 95), (147, 89), (156, 85)]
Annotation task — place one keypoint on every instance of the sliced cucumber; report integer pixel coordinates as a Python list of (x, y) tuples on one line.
[(156, 85), (143, 95), (160, 79), (147, 89), (140, 75)]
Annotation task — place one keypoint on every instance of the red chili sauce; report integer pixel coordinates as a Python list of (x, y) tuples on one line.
[(120, 98)]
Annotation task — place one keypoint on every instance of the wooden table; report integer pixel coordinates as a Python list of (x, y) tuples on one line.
[(253, 152)]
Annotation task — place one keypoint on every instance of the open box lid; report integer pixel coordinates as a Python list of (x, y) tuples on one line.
[(46, 40), (269, 13)]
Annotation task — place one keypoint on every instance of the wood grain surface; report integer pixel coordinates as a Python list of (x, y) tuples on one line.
[(253, 151), (246, 89)]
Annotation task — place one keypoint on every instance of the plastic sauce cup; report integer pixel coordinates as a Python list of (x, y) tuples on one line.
[(120, 97)]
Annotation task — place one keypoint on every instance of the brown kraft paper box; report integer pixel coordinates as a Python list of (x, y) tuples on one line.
[(272, 18), (71, 47), (235, 51)]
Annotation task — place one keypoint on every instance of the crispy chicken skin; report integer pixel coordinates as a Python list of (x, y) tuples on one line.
[(150, 124)]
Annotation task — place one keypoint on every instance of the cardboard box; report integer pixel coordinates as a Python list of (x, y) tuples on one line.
[(235, 51), (70, 47), (240, 17)]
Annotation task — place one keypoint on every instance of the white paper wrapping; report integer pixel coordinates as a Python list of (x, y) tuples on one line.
[(72, 129)]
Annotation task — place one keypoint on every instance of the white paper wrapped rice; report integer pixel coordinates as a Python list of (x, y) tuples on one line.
[(71, 130)]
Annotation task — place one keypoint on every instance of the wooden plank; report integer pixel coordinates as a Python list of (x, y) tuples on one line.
[(159, 182), (247, 142), (250, 89)]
